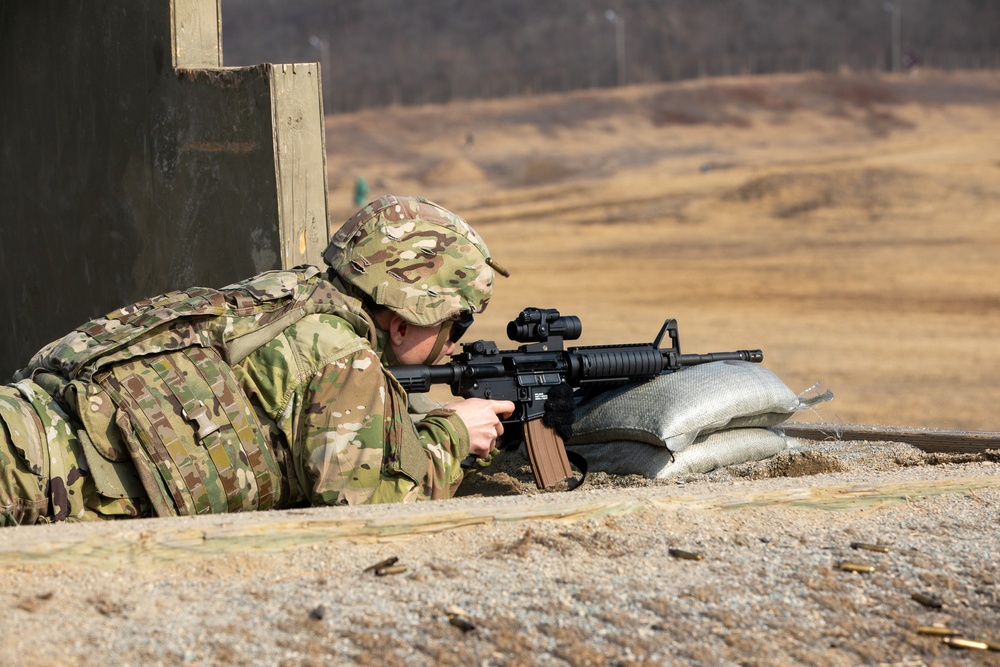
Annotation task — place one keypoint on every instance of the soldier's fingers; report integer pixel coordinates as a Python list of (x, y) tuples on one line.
[(504, 408)]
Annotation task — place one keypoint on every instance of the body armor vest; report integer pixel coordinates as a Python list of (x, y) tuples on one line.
[(153, 386)]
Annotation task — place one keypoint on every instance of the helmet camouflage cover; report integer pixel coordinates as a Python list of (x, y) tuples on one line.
[(421, 261)]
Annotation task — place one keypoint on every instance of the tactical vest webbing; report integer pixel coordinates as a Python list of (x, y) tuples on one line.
[(153, 386)]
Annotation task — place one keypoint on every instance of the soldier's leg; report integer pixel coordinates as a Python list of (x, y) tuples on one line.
[(44, 474), (23, 496)]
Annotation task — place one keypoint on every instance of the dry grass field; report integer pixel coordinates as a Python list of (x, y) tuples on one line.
[(847, 225)]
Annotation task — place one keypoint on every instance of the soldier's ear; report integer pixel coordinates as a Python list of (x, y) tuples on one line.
[(397, 330)]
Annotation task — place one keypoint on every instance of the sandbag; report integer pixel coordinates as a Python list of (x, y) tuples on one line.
[(705, 454), (691, 421), (673, 410)]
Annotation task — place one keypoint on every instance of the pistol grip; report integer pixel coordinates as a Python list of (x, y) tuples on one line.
[(547, 454)]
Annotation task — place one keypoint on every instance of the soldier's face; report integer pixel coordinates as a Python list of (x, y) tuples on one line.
[(414, 345)]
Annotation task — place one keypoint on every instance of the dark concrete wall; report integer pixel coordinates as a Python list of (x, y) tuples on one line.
[(132, 163)]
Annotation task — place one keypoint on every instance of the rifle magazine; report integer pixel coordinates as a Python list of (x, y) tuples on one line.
[(547, 454)]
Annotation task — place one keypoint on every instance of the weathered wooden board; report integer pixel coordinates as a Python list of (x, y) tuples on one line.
[(929, 440), (147, 543)]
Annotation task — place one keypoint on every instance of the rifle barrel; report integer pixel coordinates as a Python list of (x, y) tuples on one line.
[(755, 356)]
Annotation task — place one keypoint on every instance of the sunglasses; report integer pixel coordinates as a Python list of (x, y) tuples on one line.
[(460, 326)]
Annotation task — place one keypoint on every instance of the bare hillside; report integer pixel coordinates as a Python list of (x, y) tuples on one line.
[(848, 225)]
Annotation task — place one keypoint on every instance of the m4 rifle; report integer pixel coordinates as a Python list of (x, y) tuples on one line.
[(528, 374)]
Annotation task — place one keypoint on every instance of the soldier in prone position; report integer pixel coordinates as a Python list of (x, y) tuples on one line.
[(265, 394)]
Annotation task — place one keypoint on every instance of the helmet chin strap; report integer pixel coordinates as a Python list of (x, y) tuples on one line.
[(442, 338)]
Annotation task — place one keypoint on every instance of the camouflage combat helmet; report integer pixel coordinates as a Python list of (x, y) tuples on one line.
[(421, 261)]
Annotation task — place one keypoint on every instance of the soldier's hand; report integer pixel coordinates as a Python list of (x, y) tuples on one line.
[(482, 419)]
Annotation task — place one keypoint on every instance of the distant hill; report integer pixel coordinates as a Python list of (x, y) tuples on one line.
[(381, 52)]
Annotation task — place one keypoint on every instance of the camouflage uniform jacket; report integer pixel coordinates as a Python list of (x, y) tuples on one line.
[(265, 394)]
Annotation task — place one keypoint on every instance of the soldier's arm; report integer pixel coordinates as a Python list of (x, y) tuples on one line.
[(356, 443), (443, 441)]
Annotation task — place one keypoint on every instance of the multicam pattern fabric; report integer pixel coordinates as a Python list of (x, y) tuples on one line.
[(308, 414), (169, 401), (43, 473), (345, 416), (410, 255), (226, 319)]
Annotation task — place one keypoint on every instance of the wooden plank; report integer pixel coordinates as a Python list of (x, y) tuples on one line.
[(929, 440), (153, 542), (197, 33), (300, 156)]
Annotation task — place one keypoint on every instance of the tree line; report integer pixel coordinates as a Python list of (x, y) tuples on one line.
[(383, 52)]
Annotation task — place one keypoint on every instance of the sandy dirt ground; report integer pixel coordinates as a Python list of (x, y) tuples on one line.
[(507, 576), (847, 225)]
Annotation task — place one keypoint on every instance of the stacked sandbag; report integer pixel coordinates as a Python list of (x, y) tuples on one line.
[(694, 420)]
